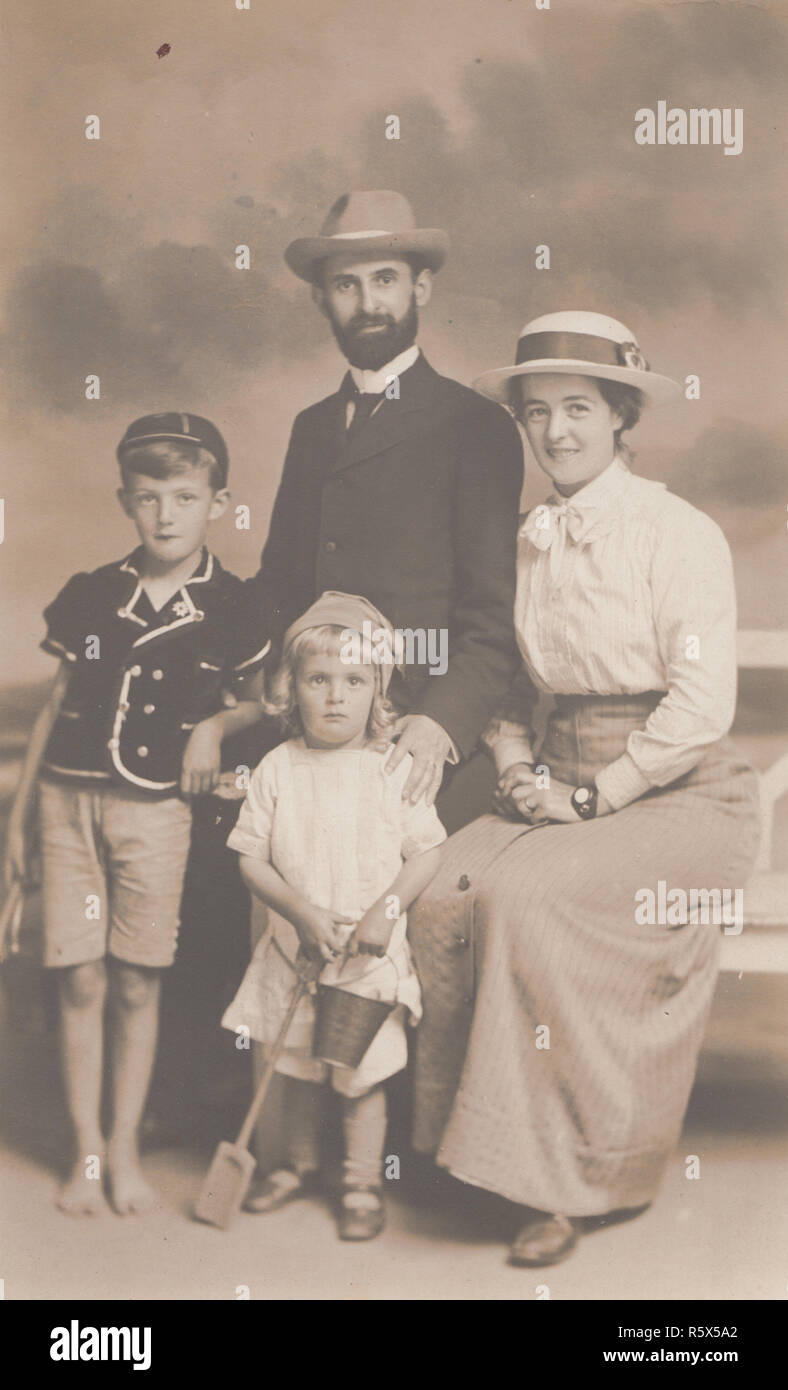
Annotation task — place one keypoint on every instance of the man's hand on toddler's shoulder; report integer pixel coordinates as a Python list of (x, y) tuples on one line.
[(429, 746)]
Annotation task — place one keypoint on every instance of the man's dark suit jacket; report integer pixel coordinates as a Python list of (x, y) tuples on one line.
[(416, 510)]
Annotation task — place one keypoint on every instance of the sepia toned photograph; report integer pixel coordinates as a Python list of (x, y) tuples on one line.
[(394, 698)]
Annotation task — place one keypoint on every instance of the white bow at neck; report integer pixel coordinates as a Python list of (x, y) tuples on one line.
[(561, 519)]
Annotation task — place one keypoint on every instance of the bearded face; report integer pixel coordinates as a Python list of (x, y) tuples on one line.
[(372, 307), (369, 341)]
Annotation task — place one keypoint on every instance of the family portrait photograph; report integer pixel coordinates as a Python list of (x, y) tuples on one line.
[(394, 694)]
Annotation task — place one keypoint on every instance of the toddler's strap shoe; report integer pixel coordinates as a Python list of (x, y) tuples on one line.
[(361, 1214), (279, 1188)]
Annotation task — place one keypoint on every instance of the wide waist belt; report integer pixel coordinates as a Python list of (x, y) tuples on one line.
[(645, 700)]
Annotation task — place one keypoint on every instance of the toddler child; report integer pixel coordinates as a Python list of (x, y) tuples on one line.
[(146, 645), (328, 843)]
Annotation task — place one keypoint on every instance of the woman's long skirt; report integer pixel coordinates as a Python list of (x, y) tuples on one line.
[(561, 1027)]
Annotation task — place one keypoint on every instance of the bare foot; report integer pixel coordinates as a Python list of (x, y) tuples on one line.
[(80, 1195), (128, 1191)]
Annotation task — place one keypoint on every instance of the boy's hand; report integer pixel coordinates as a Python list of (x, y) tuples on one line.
[(373, 933), (15, 864), (323, 934), (202, 759)]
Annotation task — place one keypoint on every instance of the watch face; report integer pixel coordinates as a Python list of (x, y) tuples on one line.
[(584, 802)]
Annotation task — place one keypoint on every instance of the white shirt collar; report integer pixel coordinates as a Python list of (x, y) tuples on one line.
[(374, 383)]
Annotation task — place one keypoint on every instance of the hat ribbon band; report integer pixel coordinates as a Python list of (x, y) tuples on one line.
[(582, 347)]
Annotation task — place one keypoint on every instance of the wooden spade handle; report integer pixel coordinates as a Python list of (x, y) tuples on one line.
[(308, 971)]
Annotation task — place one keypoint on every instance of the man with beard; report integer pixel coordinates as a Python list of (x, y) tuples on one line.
[(403, 487)]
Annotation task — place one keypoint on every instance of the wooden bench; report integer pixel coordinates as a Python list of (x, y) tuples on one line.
[(762, 945)]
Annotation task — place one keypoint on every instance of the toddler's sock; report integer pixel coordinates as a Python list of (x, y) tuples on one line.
[(303, 1121), (364, 1126)]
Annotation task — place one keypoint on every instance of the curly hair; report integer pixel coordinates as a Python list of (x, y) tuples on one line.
[(318, 641)]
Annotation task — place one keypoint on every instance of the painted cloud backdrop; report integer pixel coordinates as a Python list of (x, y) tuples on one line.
[(516, 130)]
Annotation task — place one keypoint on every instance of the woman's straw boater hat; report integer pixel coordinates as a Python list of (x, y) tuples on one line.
[(580, 344), (362, 222)]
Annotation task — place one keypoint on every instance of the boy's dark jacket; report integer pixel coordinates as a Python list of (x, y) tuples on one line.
[(139, 679), (416, 510)]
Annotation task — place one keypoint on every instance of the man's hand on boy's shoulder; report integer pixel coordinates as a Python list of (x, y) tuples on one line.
[(202, 758)]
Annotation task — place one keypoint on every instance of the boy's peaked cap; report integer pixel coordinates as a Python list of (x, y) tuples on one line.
[(180, 428)]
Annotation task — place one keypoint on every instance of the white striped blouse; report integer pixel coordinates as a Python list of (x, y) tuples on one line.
[(625, 588)]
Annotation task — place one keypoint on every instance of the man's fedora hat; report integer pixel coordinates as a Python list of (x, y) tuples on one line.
[(361, 222), (580, 344)]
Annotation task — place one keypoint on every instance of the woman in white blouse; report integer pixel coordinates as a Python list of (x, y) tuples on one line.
[(562, 1017)]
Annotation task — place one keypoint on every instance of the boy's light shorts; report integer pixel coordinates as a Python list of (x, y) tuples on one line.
[(113, 868)]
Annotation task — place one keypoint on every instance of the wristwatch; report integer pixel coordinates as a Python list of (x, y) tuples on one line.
[(584, 801)]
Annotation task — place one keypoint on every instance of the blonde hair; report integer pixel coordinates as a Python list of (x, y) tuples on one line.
[(167, 458), (318, 641)]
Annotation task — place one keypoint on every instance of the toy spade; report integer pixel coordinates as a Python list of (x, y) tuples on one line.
[(227, 1180)]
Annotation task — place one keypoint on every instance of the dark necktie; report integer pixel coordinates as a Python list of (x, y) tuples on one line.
[(365, 402)]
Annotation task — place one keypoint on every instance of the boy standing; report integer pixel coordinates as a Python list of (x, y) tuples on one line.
[(146, 645)]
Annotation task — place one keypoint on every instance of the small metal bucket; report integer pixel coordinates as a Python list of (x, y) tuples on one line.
[(347, 1024)]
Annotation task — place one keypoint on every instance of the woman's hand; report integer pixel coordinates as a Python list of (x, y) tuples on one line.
[(202, 758), (323, 934), (553, 803), (518, 776)]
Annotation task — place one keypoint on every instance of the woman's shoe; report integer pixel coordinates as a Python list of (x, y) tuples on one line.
[(361, 1214), (544, 1240), (279, 1188)]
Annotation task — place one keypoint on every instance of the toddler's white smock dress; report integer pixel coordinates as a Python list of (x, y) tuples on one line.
[(334, 825)]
